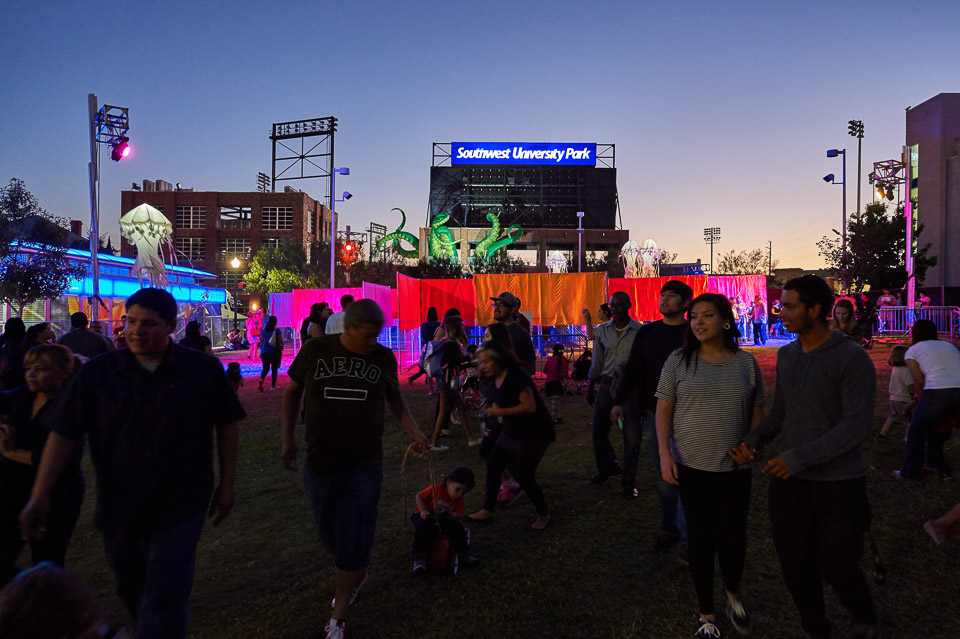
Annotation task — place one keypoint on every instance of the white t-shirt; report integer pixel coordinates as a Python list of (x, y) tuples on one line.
[(939, 361), (335, 323), (900, 379)]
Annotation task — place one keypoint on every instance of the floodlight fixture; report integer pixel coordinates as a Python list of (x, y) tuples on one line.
[(828, 178), (855, 128), (120, 148), (347, 195), (832, 153), (879, 192), (890, 193)]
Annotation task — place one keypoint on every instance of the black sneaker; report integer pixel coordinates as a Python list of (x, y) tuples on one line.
[(663, 542), (707, 630), (739, 616)]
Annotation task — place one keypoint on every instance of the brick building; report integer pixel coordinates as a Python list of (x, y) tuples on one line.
[(210, 228)]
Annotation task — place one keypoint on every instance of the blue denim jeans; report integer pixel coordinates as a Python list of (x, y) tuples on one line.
[(672, 520), (154, 573), (345, 507), (935, 404)]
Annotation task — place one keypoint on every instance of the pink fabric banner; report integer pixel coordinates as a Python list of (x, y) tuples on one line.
[(408, 303), (381, 295), (304, 297), (644, 293), (746, 286), (281, 305)]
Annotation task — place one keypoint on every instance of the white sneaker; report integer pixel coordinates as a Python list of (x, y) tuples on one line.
[(335, 629), (707, 630), (438, 449), (419, 566), (739, 616)]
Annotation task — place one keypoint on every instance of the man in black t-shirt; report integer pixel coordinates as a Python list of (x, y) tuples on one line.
[(344, 379), (504, 307), (651, 347)]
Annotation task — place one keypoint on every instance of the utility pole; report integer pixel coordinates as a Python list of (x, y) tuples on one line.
[(769, 257), (855, 128), (711, 236)]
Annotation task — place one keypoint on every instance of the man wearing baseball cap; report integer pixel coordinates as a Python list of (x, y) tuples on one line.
[(504, 306)]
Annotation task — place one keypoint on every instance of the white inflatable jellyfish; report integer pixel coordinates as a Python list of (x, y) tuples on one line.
[(147, 229), (557, 262)]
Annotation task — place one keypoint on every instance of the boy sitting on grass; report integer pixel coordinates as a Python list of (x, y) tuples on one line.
[(439, 511)]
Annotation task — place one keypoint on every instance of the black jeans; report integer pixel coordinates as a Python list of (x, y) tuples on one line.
[(522, 467), (603, 451), (427, 531), (818, 530), (716, 507), (271, 362), (64, 512)]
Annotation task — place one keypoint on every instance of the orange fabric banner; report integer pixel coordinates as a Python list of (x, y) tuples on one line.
[(552, 298), (644, 293)]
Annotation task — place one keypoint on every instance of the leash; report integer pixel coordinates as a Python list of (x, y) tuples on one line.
[(403, 479)]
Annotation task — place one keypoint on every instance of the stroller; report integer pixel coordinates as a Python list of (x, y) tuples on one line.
[(581, 369)]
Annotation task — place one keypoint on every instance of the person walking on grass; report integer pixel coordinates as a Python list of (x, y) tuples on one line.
[(271, 352), (513, 400), (505, 307), (758, 315), (611, 348), (335, 323), (822, 412), (641, 376), (447, 380), (901, 391), (150, 412), (557, 370), (710, 394), (344, 380)]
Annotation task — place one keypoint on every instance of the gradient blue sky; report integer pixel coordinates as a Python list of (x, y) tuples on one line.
[(721, 111)]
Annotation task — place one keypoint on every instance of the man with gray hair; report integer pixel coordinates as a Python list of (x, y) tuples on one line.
[(344, 379)]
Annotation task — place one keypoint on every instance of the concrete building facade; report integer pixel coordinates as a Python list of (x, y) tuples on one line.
[(933, 135)]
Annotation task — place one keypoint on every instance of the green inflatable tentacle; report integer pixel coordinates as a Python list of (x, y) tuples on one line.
[(499, 244), (490, 237), (441, 238), (400, 234)]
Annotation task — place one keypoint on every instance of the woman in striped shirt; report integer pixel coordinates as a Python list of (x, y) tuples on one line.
[(710, 393)]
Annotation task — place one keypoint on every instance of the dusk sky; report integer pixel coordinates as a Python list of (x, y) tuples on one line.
[(721, 112)]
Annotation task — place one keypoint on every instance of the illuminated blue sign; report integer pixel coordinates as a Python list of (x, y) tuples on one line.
[(554, 154)]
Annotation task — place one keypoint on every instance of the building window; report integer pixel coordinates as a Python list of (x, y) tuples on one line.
[(193, 248), (231, 247), (234, 217), (271, 242), (191, 217), (228, 279), (277, 218)]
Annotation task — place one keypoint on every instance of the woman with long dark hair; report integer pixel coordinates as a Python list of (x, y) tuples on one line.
[(844, 320), (271, 352), (427, 330), (193, 339), (48, 367), (513, 400), (710, 394), (41, 333)]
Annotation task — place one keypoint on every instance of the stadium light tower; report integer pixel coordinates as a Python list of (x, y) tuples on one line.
[(831, 179), (333, 218), (855, 129), (711, 236), (109, 126)]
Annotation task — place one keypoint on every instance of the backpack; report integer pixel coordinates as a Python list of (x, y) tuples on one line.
[(276, 342), (440, 354)]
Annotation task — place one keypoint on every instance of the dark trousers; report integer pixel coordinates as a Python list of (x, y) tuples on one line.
[(933, 407), (758, 335), (716, 507), (271, 362), (818, 529), (427, 531), (64, 512), (935, 457), (154, 574), (523, 467), (603, 451)]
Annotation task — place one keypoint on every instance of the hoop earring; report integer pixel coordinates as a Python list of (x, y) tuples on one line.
[(726, 326)]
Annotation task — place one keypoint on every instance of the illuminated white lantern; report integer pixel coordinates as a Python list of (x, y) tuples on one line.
[(146, 228), (649, 257), (630, 254), (557, 262)]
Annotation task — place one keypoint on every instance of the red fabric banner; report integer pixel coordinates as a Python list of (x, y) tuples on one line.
[(644, 293), (746, 286), (415, 296)]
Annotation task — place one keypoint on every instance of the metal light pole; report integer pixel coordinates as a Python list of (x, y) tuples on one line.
[(109, 125), (579, 241), (236, 291), (333, 219), (711, 236), (832, 153), (855, 128)]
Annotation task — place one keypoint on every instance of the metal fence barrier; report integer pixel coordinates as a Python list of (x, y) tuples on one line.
[(898, 320)]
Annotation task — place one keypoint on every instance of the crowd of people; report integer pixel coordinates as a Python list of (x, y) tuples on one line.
[(153, 412)]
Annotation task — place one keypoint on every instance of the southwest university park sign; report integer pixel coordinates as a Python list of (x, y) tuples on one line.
[(535, 153)]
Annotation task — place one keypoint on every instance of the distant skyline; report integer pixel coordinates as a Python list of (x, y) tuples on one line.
[(721, 112)]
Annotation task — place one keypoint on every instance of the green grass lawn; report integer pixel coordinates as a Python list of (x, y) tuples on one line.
[(262, 573)]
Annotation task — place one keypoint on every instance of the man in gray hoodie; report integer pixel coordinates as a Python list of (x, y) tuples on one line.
[(822, 412)]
